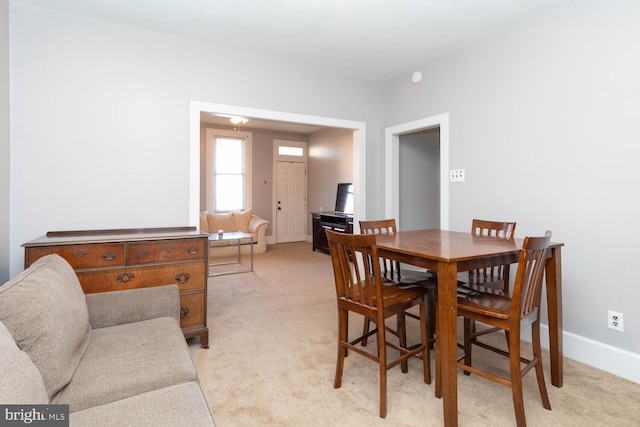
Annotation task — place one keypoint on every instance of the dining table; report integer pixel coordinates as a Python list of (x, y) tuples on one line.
[(448, 252)]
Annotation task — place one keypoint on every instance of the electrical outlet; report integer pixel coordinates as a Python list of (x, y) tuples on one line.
[(456, 175), (615, 321)]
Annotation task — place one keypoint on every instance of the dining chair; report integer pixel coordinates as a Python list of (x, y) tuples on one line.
[(359, 289), (488, 279), (493, 279), (393, 275), (512, 314)]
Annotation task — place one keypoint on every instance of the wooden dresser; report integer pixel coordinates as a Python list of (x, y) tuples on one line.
[(110, 260)]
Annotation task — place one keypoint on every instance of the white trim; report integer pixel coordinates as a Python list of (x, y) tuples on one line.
[(611, 359), (392, 164), (359, 148), (281, 158)]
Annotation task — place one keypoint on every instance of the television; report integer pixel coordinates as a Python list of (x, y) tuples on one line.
[(344, 198)]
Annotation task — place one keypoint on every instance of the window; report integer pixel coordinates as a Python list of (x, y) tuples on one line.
[(228, 174), (284, 150)]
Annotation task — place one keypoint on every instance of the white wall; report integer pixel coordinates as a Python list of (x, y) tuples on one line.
[(544, 118), (100, 118), (330, 161), (4, 141)]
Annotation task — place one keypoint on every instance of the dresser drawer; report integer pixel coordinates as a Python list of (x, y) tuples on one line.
[(82, 256), (189, 276), (192, 310), (166, 251)]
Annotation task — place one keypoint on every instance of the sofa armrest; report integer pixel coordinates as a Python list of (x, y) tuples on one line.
[(255, 223), (133, 305)]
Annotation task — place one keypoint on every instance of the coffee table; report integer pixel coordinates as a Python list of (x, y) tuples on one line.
[(237, 237)]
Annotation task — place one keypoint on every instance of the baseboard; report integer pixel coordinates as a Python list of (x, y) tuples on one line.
[(611, 359), (271, 240)]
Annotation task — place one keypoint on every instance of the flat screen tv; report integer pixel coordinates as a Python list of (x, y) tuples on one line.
[(344, 198)]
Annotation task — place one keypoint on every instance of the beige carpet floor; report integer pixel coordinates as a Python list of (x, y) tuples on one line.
[(272, 355)]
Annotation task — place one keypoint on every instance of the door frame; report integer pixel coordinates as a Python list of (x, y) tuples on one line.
[(392, 164), (359, 149)]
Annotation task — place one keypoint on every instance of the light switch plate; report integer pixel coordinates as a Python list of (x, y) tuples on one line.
[(456, 175)]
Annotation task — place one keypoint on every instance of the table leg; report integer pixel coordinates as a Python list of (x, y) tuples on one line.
[(447, 339), (251, 253), (553, 272)]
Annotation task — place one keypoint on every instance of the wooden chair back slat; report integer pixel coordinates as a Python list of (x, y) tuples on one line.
[(496, 276), (352, 258), (527, 292), (383, 226)]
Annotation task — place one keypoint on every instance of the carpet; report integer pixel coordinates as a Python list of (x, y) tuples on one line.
[(272, 356)]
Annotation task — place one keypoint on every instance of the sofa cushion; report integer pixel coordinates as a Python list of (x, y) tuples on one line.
[(45, 310), (20, 380), (220, 221), (241, 220), (178, 405), (129, 359), (204, 222)]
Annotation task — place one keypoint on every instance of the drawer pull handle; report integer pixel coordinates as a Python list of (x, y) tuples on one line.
[(168, 248), (183, 312), (183, 278), (109, 256), (125, 277), (142, 253), (79, 253), (193, 250)]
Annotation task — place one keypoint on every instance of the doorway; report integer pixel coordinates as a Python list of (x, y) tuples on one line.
[(419, 198), (392, 165), (197, 107)]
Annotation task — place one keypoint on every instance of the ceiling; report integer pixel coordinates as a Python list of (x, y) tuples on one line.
[(372, 39), (253, 123)]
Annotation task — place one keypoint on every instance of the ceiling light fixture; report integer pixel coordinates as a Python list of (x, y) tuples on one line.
[(236, 120)]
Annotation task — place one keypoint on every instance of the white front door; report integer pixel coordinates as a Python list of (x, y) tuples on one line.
[(291, 201)]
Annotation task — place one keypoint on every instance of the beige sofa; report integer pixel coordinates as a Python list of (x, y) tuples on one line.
[(116, 358), (235, 221)]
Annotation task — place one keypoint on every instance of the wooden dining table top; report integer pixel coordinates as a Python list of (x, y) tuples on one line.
[(425, 248), (445, 245)]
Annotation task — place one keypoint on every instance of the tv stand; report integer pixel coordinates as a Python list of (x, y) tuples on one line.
[(335, 221)]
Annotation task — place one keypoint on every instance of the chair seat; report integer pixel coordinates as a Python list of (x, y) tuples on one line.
[(393, 295), (497, 306), (397, 297), (418, 278), (482, 283), (466, 288)]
